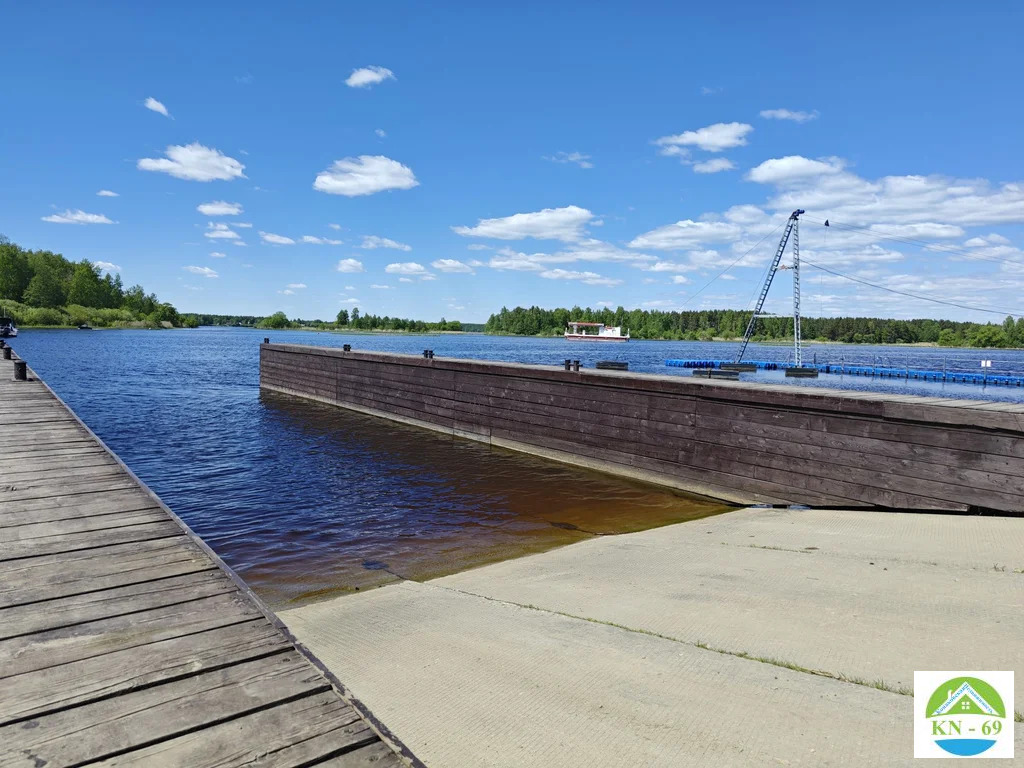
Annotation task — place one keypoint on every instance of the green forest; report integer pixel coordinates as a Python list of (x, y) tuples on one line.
[(353, 320), (711, 324), (41, 288)]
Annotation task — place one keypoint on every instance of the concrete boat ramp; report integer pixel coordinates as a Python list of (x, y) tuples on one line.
[(760, 637)]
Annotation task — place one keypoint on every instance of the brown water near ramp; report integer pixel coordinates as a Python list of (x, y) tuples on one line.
[(430, 504)]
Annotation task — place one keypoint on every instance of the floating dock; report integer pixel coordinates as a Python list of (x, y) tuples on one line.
[(841, 369), (743, 442), (125, 640)]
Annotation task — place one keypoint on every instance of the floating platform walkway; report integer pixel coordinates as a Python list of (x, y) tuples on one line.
[(841, 369), (124, 640)]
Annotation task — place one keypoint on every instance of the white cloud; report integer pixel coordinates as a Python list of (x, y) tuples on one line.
[(715, 165), (335, 226), (577, 158), (219, 208), (350, 265), (319, 240), (926, 229), (590, 278), (217, 231), (371, 242), (204, 271), (350, 287), (406, 268), (241, 224), (287, 292), (295, 286), (107, 193), (666, 266), (781, 170), (77, 217), (679, 279), (993, 239), (712, 138), (475, 263), (272, 239), (380, 287), (156, 106), (787, 114), (478, 247), (367, 76), (406, 280), (218, 255), (364, 175), (686, 233), (350, 301), (519, 263), (194, 162), (659, 304), (549, 224), (451, 265), (106, 266), (381, 133)]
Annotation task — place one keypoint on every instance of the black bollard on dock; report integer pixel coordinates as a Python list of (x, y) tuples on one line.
[(347, 347), (575, 365), (7, 353), (266, 339), (568, 365), (20, 370)]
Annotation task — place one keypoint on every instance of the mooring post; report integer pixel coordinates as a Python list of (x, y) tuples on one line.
[(20, 370), (266, 339), (568, 365), (575, 365), (7, 353), (347, 347), (426, 353)]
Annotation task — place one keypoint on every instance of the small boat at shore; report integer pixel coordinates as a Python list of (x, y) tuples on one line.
[(579, 332), (8, 330)]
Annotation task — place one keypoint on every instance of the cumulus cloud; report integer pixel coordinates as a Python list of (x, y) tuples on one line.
[(781, 170), (364, 77), (711, 138), (406, 280), (296, 286), (589, 278), (350, 265), (371, 242), (77, 217), (450, 265), (272, 239), (686, 233), (364, 175), (335, 226), (350, 301), (106, 266), (548, 224), (313, 239), (576, 158), (715, 165), (219, 208), (107, 193), (217, 231), (218, 255), (156, 106), (380, 287), (679, 279), (788, 114), (204, 271), (241, 224), (194, 162), (406, 268)]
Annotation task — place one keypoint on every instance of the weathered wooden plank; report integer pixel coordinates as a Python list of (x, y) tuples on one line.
[(101, 468), (12, 468), (81, 641), (33, 694), (50, 545), (104, 728), (258, 739), (81, 503), (53, 489), (377, 754), (80, 525), (37, 579), (27, 619)]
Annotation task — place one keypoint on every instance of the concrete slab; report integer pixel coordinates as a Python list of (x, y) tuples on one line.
[(602, 653), (467, 681)]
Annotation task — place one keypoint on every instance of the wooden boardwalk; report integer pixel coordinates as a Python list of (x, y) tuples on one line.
[(124, 640)]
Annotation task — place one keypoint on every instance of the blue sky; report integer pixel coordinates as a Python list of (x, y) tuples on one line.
[(448, 159)]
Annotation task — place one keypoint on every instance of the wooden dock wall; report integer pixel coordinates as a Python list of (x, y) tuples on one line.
[(737, 441)]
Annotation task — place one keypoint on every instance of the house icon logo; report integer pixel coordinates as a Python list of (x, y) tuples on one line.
[(965, 714)]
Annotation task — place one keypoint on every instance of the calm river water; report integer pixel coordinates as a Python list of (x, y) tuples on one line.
[(306, 500)]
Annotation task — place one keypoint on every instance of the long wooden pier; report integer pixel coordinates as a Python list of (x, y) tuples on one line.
[(124, 640)]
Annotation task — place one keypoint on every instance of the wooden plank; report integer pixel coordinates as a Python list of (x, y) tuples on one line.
[(68, 644), (80, 525), (49, 545), (37, 579), (80, 504), (11, 467), (54, 489), (33, 694), (27, 619), (107, 727), (261, 739)]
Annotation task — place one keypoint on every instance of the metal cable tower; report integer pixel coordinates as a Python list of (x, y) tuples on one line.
[(798, 355), (790, 225)]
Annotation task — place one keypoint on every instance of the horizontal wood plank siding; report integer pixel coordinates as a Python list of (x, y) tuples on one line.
[(739, 441)]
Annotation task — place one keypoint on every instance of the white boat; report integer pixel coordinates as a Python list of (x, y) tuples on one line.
[(8, 330), (601, 332)]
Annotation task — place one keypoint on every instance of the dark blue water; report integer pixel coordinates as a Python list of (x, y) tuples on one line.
[(306, 500)]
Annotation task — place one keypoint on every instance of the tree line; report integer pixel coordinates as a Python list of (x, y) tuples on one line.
[(356, 321), (705, 325), (44, 288)]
